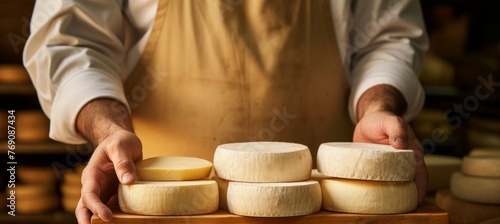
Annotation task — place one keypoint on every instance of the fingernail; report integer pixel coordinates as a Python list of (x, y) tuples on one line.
[(401, 141), (127, 177)]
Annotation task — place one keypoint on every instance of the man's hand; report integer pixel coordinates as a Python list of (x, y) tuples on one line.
[(107, 125), (379, 122)]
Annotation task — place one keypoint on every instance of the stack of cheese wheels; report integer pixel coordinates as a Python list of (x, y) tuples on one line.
[(32, 126), (170, 185), (367, 178), (440, 169), (266, 179), (71, 188), (12, 73), (36, 192), (475, 191)]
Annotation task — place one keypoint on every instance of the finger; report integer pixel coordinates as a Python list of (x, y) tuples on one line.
[(118, 153), (82, 214), (396, 129), (421, 176), (92, 202)]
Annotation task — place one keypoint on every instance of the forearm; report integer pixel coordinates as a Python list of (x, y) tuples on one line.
[(101, 117), (381, 98)]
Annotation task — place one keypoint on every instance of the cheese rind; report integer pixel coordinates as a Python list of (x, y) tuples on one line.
[(368, 197), (169, 197), (366, 161), (440, 169), (482, 166), (475, 189), (274, 199), (263, 162), (167, 168)]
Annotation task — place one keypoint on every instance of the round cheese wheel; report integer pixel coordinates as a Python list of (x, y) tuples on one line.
[(316, 175), (464, 212), (440, 169), (169, 197), (274, 199), (475, 189), (72, 178), (263, 162), (173, 168), (222, 184), (485, 152), (482, 166), (32, 126), (25, 191), (32, 174), (69, 203), (366, 161), (71, 190), (369, 197), (13, 74), (36, 205)]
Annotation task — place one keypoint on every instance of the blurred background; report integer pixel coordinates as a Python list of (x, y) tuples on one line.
[(461, 111)]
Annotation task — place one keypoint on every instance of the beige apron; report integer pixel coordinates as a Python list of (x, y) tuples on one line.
[(219, 71)]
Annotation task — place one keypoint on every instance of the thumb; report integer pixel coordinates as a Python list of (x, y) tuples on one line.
[(122, 158), (396, 129)]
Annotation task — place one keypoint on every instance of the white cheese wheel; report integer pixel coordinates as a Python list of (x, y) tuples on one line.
[(440, 169), (222, 184), (32, 126), (464, 212), (274, 199), (173, 168), (169, 197), (263, 162), (482, 166), (475, 189), (366, 161), (485, 152), (369, 197)]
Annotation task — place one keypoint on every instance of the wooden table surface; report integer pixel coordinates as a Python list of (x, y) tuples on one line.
[(427, 213)]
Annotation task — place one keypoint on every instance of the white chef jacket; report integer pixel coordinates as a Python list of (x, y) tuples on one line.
[(80, 50)]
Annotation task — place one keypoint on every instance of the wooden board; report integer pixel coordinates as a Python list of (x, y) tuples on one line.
[(427, 213)]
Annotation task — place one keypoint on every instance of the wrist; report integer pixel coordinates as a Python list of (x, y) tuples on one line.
[(102, 117), (381, 98)]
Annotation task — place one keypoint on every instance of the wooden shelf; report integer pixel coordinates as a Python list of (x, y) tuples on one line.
[(46, 147), (17, 89), (53, 217), (427, 213)]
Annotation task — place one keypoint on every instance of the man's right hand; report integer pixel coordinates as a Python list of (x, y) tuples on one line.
[(107, 125)]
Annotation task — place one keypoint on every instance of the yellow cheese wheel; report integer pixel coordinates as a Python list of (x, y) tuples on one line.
[(222, 184), (11, 73), (26, 191), (368, 197), (169, 197), (440, 169), (173, 168), (366, 161), (482, 166), (36, 205), (485, 152), (475, 189), (31, 125), (33, 174), (274, 199), (71, 190), (464, 212), (263, 162)]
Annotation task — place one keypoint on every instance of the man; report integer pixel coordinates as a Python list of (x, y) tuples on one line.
[(200, 73)]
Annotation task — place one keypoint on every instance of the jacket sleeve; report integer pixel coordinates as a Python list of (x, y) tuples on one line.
[(387, 39), (75, 54)]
